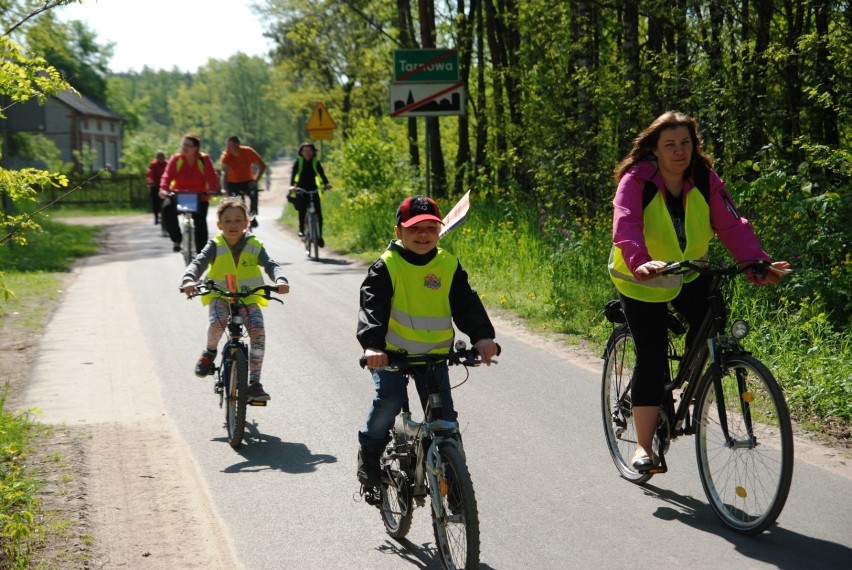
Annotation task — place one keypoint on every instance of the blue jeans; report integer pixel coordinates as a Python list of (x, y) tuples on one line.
[(391, 393)]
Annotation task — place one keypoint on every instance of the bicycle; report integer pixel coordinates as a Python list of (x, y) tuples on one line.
[(426, 458), (232, 373), (312, 229), (186, 205), (743, 436)]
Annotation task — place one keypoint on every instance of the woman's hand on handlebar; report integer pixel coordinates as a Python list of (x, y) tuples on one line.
[(649, 270), (190, 289), (773, 274), (487, 350), (375, 358)]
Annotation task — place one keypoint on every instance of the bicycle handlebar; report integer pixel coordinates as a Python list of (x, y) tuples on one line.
[(463, 357), (210, 286), (705, 267)]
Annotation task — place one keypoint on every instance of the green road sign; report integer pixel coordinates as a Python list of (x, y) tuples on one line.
[(425, 65)]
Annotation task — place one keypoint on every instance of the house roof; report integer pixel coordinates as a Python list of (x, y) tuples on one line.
[(87, 106)]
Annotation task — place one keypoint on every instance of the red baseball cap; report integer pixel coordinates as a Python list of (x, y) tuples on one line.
[(416, 209)]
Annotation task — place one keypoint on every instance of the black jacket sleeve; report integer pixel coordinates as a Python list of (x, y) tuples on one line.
[(375, 307), (469, 314)]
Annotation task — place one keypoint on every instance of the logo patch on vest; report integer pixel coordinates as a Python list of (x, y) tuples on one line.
[(432, 281)]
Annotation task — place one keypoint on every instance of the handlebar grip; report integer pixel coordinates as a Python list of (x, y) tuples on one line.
[(362, 362)]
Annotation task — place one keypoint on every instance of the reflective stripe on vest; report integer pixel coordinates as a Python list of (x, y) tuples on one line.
[(421, 319), (662, 243), (249, 274)]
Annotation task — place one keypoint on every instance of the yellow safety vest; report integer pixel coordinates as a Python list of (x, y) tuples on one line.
[(421, 319), (662, 243), (249, 273), (300, 162)]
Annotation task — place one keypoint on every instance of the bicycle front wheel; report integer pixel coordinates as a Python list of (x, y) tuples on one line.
[(455, 518), (235, 414), (616, 406), (396, 488), (188, 242), (744, 445)]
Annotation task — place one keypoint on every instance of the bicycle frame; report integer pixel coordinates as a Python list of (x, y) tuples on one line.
[(432, 431), (709, 344)]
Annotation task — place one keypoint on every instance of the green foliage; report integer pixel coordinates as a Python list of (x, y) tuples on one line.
[(371, 176), (38, 150), (18, 501)]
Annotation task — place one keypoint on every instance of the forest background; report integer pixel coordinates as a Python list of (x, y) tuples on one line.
[(556, 91)]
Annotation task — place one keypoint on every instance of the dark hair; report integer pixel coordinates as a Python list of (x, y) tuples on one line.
[(234, 139), (196, 140), (305, 145), (646, 142)]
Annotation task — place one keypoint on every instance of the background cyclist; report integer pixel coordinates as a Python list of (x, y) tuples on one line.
[(189, 171), (308, 174), (242, 168)]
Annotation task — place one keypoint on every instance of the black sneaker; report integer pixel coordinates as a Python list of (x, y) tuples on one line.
[(321, 242), (204, 366), (256, 393), (175, 246), (254, 223)]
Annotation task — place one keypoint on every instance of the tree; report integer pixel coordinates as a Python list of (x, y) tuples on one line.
[(23, 78)]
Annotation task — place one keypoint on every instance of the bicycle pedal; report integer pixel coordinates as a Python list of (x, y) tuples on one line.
[(257, 403), (658, 470)]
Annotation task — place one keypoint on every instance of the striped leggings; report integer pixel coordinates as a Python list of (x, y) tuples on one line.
[(219, 313)]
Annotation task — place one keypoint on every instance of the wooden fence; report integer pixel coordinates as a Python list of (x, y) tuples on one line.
[(120, 191)]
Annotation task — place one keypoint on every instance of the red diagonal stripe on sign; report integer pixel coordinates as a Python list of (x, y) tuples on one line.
[(417, 70), (427, 100)]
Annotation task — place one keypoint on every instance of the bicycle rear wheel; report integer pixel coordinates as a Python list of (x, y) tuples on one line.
[(455, 518), (616, 406), (235, 411), (744, 445), (396, 488), (188, 242)]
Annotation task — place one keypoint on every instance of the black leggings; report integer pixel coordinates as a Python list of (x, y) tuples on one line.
[(649, 324), (170, 221)]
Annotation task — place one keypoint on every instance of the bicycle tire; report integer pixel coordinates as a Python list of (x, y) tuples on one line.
[(455, 519), (396, 489), (188, 241), (315, 235), (616, 408), (746, 480), (237, 398)]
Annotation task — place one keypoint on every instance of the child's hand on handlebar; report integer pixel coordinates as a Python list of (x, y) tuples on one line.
[(375, 358), (487, 350), (190, 289), (283, 288)]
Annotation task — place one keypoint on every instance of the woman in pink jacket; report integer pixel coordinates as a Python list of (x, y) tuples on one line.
[(668, 206), (188, 172)]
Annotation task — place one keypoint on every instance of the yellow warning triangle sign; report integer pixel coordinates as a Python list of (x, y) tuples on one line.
[(320, 119)]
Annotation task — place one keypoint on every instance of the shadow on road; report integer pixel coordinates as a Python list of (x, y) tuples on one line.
[(778, 546), (263, 452)]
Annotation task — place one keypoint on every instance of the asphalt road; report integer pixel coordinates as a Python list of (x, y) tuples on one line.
[(548, 494)]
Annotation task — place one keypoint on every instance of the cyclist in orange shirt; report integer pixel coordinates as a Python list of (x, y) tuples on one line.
[(242, 167)]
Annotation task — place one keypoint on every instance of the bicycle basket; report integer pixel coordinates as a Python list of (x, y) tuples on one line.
[(187, 203), (614, 313)]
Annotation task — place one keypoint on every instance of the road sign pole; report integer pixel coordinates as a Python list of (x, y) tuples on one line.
[(428, 136)]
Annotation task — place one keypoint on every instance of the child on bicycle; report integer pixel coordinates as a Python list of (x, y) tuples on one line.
[(234, 252), (410, 299)]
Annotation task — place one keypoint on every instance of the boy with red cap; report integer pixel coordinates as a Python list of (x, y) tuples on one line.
[(410, 299)]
